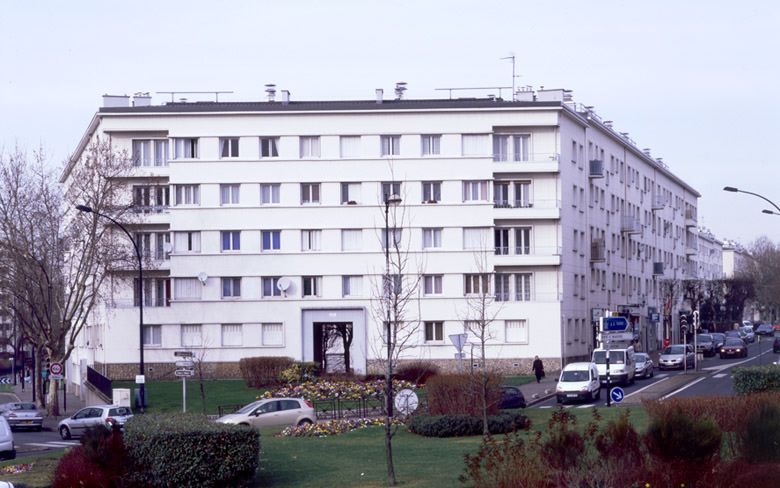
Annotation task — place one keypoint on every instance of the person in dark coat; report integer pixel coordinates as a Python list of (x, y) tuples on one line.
[(538, 369)]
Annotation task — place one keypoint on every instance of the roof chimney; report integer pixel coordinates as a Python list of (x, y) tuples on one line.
[(270, 89), (142, 99), (285, 97), (379, 94), (116, 100), (400, 88)]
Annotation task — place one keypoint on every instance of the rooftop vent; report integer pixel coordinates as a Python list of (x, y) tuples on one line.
[(646, 151), (400, 88), (116, 100), (608, 124), (379, 95), (285, 97), (142, 99), (270, 90)]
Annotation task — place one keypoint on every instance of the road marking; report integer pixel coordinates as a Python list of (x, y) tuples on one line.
[(546, 406), (52, 444), (648, 386), (731, 365), (719, 375), (590, 405), (683, 388), (662, 375)]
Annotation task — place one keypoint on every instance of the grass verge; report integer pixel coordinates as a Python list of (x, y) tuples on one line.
[(166, 396), (41, 474)]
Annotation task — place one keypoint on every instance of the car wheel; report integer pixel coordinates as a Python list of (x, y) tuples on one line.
[(651, 372), (65, 432), (721, 356), (559, 400), (38, 429), (304, 423), (598, 394)]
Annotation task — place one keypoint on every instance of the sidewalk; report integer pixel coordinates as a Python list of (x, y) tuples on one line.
[(536, 392), (74, 404)]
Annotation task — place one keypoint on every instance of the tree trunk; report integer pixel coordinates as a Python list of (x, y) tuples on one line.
[(485, 430), (52, 399), (388, 421)]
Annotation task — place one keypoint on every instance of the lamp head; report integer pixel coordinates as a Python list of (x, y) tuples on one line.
[(392, 199), (83, 208), (730, 188), (769, 212)]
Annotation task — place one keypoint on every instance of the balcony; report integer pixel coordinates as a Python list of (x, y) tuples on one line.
[(529, 256), (658, 269), (658, 202), (596, 168), (691, 248), (598, 250), (535, 163), (630, 225), (690, 217), (522, 209)]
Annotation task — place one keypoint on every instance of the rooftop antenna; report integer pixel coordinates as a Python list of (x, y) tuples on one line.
[(514, 75)]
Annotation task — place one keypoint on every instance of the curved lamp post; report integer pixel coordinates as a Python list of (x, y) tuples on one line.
[(389, 200), (737, 190), (770, 212), (84, 208)]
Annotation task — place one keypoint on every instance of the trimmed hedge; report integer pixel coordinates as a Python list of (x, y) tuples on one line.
[(461, 394), (188, 450), (418, 372), (465, 425), (756, 379), (263, 371)]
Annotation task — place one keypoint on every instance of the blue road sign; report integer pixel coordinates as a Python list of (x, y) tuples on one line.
[(617, 324), (617, 394)]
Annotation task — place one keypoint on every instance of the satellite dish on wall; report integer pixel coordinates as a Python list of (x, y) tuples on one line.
[(202, 277), (283, 284), (167, 247)]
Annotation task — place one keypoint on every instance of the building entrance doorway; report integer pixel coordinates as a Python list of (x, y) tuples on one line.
[(332, 343)]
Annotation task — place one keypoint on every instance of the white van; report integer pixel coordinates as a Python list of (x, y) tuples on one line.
[(622, 367), (7, 448), (578, 381)]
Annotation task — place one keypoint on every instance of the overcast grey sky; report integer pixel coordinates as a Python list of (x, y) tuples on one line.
[(695, 81)]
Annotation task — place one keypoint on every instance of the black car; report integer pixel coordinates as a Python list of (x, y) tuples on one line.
[(776, 344), (718, 338), (512, 397), (733, 348), (705, 344)]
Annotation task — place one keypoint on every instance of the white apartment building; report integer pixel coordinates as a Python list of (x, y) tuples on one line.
[(735, 259), (265, 220), (710, 256)]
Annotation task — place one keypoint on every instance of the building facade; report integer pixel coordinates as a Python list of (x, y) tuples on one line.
[(710, 256), (264, 224)]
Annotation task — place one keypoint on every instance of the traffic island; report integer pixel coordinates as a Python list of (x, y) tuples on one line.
[(662, 387)]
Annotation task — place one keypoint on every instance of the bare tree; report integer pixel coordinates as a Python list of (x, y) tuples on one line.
[(763, 269), (395, 294), (55, 261)]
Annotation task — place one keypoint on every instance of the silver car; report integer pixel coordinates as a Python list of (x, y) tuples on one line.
[(272, 412), (673, 356), (22, 415), (88, 417), (644, 365)]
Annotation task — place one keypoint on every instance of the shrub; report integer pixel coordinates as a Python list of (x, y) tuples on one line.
[(76, 470), (465, 425), (756, 379), (760, 441), (263, 371), (508, 463), (186, 450), (619, 442), (98, 462), (417, 372), (564, 446), (461, 394), (299, 372), (681, 436)]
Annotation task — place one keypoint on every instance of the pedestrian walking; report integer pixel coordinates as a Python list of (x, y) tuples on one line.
[(538, 369)]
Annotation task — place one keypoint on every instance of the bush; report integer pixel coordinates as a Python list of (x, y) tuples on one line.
[(76, 470), (417, 372), (683, 437), (98, 462), (461, 394), (760, 441), (299, 372), (465, 425), (263, 371), (756, 379), (186, 450), (564, 447)]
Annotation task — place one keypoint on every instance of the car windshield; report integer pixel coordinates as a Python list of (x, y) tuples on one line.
[(704, 338), (734, 342), (575, 375), (119, 412), (249, 408), (640, 357), (615, 357), (674, 350), (23, 406), (718, 337)]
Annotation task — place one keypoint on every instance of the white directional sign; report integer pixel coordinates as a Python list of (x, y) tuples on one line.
[(618, 336), (184, 372), (185, 364)]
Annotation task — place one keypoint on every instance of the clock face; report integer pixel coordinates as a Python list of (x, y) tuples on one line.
[(406, 401)]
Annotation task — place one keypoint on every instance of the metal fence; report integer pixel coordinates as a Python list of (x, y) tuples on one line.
[(100, 382), (338, 409)]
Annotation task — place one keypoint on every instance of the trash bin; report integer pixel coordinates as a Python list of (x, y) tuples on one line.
[(137, 396)]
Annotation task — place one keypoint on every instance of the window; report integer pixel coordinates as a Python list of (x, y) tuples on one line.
[(351, 240), (162, 248), (229, 194), (228, 147), (231, 240), (350, 193), (394, 234), (152, 335), (475, 191), (522, 194), (351, 286), (269, 286), (269, 193), (310, 240), (161, 153), (520, 145), (150, 198), (501, 194), (431, 145), (311, 286), (432, 284), (232, 335), (476, 284), (431, 191), (500, 147), (392, 285), (310, 193), (502, 287), (273, 334), (187, 194), (310, 147), (390, 188), (350, 146), (431, 238), (231, 287), (434, 331), (156, 292), (144, 242), (475, 144), (475, 237), (271, 240), (269, 147), (185, 148), (501, 241), (523, 240), (391, 145), (516, 331), (186, 241), (191, 336), (142, 153), (523, 287), (187, 288)]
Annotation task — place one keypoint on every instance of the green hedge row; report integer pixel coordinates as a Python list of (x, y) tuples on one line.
[(263, 371), (188, 450), (465, 425), (756, 379)]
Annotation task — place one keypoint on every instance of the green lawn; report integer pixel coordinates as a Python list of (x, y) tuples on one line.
[(166, 396), (517, 380), (41, 474)]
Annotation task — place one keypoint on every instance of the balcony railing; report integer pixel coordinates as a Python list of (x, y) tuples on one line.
[(630, 225), (147, 209), (658, 202), (512, 204)]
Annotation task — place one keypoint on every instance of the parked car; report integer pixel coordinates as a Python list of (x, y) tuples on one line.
[(578, 381), (750, 336), (765, 329), (718, 338), (273, 412), (7, 447), (621, 364), (733, 348), (644, 365), (673, 356), (22, 415), (88, 417), (735, 334), (512, 397), (776, 344), (705, 344)]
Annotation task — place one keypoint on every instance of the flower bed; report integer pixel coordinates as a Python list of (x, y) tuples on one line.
[(342, 390), (16, 468), (332, 427)]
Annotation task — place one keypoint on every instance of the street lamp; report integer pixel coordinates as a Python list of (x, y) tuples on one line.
[(737, 190), (84, 208), (770, 212), (394, 200)]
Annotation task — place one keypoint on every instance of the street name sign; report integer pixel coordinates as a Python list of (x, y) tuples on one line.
[(614, 324), (618, 336), (185, 364), (182, 354), (184, 372)]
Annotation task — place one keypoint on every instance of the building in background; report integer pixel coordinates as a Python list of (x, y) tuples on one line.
[(263, 222), (735, 258), (710, 256)]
